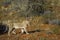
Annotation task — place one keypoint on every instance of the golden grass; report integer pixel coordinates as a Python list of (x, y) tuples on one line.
[(36, 24)]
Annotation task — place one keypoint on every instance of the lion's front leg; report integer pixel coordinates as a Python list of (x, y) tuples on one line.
[(26, 30)]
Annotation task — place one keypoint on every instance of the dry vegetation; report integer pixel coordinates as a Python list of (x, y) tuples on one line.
[(37, 30)]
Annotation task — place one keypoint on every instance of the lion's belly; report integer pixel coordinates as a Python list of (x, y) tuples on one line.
[(17, 26)]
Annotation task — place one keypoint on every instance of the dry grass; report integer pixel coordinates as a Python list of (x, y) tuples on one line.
[(37, 30)]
